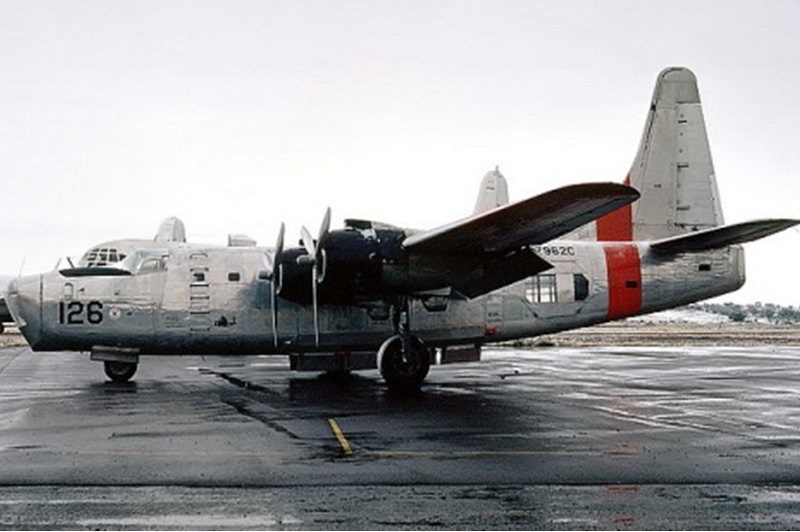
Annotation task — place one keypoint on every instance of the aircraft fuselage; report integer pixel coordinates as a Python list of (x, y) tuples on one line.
[(217, 300)]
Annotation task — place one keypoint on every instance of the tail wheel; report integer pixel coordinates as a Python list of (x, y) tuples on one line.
[(404, 371), (120, 371)]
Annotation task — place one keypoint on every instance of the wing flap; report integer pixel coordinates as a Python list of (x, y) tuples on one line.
[(529, 222), (720, 237)]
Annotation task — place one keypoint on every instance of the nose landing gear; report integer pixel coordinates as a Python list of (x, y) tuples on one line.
[(119, 371)]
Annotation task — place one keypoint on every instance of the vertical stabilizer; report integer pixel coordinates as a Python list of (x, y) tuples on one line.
[(493, 192), (673, 169), (171, 230)]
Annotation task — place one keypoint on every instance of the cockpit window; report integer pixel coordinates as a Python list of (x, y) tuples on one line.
[(152, 264), (99, 257), (138, 262), (146, 261)]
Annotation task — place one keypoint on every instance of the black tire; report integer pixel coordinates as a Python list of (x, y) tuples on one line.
[(405, 375), (120, 371)]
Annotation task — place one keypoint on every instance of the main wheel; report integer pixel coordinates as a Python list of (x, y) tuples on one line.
[(120, 371), (404, 371)]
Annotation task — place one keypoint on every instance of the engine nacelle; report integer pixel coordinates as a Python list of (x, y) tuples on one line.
[(364, 262), (349, 269)]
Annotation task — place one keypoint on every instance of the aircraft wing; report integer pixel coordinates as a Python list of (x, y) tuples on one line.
[(492, 249), (525, 223)]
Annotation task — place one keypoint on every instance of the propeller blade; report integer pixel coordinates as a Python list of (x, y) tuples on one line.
[(275, 273), (279, 244), (308, 241), (271, 260), (315, 257), (274, 308), (316, 305), (324, 229), (269, 263)]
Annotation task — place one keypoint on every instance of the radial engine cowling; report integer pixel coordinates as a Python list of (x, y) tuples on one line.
[(349, 269)]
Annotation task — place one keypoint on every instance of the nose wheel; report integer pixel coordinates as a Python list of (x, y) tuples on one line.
[(119, 371)]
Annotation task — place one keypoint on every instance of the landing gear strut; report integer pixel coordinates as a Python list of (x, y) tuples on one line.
[(403, 359), (119, 371)]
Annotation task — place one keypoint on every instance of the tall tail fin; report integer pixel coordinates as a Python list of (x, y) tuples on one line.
[(493, 192), (672, 170)]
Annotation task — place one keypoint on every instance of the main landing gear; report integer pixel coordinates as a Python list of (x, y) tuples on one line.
[(119, 371), (403, 359)]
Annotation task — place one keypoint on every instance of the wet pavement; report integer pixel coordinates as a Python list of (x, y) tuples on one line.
[(559, 438)]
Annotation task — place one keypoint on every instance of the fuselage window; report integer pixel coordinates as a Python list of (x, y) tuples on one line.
[(199, 277), (234, 277), (152, 265), (69, 291), (542, 289), (581, 287)]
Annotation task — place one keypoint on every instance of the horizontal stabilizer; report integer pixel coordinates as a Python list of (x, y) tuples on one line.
[(720, 237)]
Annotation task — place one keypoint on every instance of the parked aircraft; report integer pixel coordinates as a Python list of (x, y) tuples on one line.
[(375, 295)]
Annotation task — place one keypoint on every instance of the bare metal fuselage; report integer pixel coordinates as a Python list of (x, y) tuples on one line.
[(217, 300)]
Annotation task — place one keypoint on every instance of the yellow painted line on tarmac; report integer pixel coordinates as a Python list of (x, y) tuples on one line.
[(348, 451)]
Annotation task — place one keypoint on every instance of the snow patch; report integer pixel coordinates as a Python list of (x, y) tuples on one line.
[(681, 316)]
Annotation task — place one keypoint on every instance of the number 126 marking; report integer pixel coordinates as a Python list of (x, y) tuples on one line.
[(78, 313)]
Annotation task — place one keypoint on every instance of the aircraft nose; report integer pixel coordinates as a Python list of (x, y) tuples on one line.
[(24, 302)]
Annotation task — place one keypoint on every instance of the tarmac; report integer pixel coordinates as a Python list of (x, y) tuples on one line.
[(588, 437)]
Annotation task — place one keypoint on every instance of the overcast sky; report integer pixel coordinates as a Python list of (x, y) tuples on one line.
[(237, 115)]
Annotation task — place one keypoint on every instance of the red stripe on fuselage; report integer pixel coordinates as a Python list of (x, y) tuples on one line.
[(624, 269), (616, 226)]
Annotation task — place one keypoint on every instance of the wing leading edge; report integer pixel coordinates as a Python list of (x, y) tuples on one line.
[(532, 221)]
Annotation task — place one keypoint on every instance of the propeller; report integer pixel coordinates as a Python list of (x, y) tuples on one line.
[(274, 268), (316, 258)]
